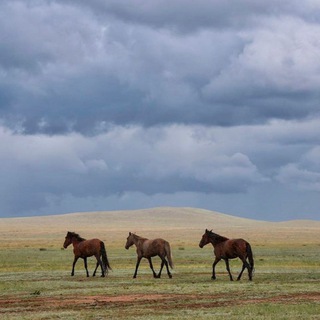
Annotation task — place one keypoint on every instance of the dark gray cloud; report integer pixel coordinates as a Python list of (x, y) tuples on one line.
[(190, 16), (110, 104), (66, 68)]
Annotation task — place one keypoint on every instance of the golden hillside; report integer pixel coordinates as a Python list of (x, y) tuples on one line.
[(180, 225)]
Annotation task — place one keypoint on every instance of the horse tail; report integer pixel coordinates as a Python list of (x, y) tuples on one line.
[(168, 252), (105, 261), (250, 256)]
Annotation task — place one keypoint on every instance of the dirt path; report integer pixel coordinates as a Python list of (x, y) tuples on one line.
[(158, 301)]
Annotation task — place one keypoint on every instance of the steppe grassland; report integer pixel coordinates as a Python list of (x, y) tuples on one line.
[(35, 281)]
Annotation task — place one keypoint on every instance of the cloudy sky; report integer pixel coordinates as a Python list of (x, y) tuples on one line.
[(118, 104)]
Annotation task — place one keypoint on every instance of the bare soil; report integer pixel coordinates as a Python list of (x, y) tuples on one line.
[(158, 301)]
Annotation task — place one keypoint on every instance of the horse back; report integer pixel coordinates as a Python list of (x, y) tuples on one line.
[(231, 248), (153, 247), (88, 248)]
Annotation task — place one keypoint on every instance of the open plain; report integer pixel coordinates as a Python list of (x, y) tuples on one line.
[(35, 279)]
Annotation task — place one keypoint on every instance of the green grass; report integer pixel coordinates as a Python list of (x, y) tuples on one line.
[(36, 284)]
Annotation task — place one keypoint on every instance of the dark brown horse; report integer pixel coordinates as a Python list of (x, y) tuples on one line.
[(150, 248), (226, 249), (83, 248)]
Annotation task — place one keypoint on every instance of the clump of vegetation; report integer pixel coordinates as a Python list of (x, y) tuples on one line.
[(36, 293)]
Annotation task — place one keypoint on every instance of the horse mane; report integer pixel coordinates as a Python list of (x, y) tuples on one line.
[(76, 235), (138, 237), (217, 238)]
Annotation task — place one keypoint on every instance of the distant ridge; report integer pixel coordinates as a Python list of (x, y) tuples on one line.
[(162, 211), (171, 222)]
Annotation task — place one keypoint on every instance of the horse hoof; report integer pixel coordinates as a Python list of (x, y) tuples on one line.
[(213, 278), (170, 276)]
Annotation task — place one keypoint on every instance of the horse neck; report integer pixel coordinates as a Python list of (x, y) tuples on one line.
[(76, 241), (138, 241), (216, 239)]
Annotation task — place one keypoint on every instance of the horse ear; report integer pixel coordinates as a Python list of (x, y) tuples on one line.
[(129, 233)]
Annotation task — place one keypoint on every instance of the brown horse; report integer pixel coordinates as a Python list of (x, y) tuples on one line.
[(150, 248), (226, 249), (83, 248)]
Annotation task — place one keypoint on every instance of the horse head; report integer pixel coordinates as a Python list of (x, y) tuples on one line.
[(205, 238), (130, 240), (68, 239)]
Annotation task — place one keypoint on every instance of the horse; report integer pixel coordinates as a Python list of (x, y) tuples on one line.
[(226, 249), (150, 248), (83, 248)]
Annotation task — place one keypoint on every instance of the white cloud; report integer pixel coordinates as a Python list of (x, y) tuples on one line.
[(300, 178), (160, 160), (122, 160), (280, 58), (304, 174)]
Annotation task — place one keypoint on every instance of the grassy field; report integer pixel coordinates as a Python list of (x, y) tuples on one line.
[(35, 281)]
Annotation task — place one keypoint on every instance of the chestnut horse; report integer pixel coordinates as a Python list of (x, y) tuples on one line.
[(150, 248), (83, 248), (226, 249)]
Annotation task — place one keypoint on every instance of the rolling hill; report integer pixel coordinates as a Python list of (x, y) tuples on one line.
[(180, 225)]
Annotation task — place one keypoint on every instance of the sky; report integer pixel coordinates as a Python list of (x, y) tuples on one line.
[(120, 105)]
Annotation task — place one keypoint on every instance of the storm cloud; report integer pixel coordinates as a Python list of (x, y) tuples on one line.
[(112, 104)]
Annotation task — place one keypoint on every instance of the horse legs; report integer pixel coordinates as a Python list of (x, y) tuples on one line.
[(74, 263), (245, 265), (99, 262), (213, 268), (151, 267), (161, 267), (240, 274), (137, 266), (95, 270), (228, 269), (165, 262), (86, 266), (250, 270)]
